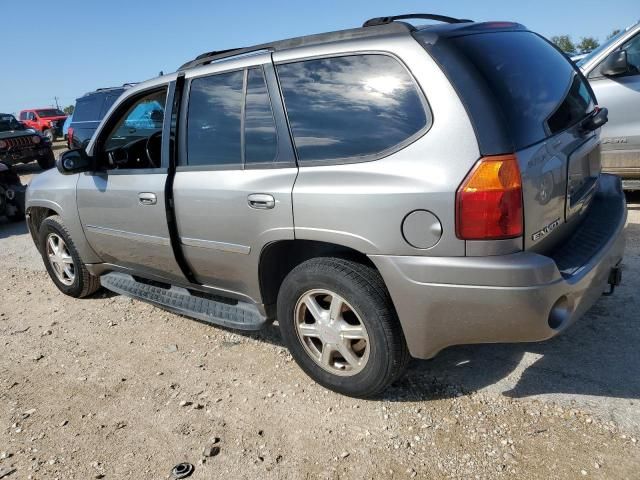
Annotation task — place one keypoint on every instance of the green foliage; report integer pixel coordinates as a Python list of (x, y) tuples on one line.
[(564, 43), (68, 109), (587, 44)]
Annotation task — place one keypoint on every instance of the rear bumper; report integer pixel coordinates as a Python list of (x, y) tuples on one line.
[(520, 297)]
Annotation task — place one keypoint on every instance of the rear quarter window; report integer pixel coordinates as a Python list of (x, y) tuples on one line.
[(351, 108), (88, 109)]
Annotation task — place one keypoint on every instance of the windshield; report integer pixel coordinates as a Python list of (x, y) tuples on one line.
[(50, 113), (8, 123), (602, 47)]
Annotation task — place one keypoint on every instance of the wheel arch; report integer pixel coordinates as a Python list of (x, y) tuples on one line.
[(278, 258), (36, 215), (39, 209)]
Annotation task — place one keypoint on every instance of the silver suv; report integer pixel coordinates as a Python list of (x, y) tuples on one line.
[(614, 73), (383, 192)]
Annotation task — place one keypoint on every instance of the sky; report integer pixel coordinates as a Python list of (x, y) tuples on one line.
[(86, 44)]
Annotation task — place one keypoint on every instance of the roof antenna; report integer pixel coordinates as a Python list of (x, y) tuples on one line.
[(161, 73)]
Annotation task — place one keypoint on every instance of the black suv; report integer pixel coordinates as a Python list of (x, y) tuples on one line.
[(19, 144), (89, 111)]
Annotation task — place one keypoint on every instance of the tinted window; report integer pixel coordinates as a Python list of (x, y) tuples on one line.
[(52, 112), (9, 122), (349, 107), (88, 109), (213, 123), (260, 139), (109, 100), (573, 109), (528, 77)]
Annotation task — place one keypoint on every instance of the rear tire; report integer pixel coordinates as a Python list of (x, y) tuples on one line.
[(72, 278), (48, 161), (375, 355)]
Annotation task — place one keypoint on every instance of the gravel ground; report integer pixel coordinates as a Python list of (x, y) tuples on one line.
[(108, 387)]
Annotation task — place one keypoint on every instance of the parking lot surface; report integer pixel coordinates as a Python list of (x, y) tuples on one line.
[(109, 387)]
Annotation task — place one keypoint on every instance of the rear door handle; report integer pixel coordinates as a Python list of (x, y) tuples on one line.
[(147, 198), (262, 201)]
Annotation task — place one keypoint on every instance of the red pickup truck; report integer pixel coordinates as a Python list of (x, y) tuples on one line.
[(48, 121)]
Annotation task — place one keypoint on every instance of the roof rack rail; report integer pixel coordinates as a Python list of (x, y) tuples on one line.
[(209, 57), (314, 39), (423, 16)]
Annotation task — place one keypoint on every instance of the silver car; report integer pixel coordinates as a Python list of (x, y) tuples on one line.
[(614, 73), (383, 192)]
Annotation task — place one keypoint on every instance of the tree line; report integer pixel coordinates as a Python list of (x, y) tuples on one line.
[(585, 45)]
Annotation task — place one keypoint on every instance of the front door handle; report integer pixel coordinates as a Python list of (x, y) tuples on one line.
[(147, 198), (261, 201)]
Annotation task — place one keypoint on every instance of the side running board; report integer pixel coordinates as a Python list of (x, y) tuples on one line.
[(241, 316)]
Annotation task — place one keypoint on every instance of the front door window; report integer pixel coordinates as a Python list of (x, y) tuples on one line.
[(135, 140)]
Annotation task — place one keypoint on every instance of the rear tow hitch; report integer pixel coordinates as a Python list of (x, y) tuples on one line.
[(615, 277)]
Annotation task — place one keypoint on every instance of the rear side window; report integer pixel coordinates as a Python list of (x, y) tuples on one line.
[(214, 120), (351, 108), (88, 109), (530, 81)]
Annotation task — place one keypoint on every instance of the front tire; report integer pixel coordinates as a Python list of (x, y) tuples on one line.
[(339, 323), (62, 260)]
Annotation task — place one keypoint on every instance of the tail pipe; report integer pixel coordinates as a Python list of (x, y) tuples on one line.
[(615, 278)]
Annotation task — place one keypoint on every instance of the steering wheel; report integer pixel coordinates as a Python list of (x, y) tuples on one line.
[(147, 147)]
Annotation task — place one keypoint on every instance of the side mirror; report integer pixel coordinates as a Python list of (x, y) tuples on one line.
[(615, 64), (74, 161)]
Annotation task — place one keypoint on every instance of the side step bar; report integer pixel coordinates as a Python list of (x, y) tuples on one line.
[(242, 316)]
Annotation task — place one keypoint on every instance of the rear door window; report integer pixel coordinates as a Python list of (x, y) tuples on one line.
[(214, 120), (351, 108)]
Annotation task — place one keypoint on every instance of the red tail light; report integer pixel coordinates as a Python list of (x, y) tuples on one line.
[(489, 201), (69, 136)]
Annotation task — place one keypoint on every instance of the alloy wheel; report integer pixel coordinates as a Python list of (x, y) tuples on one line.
[(60, 259), (332, 333)]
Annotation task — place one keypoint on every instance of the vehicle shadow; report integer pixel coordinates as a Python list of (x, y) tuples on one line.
[(10, 229), (597, 356)]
